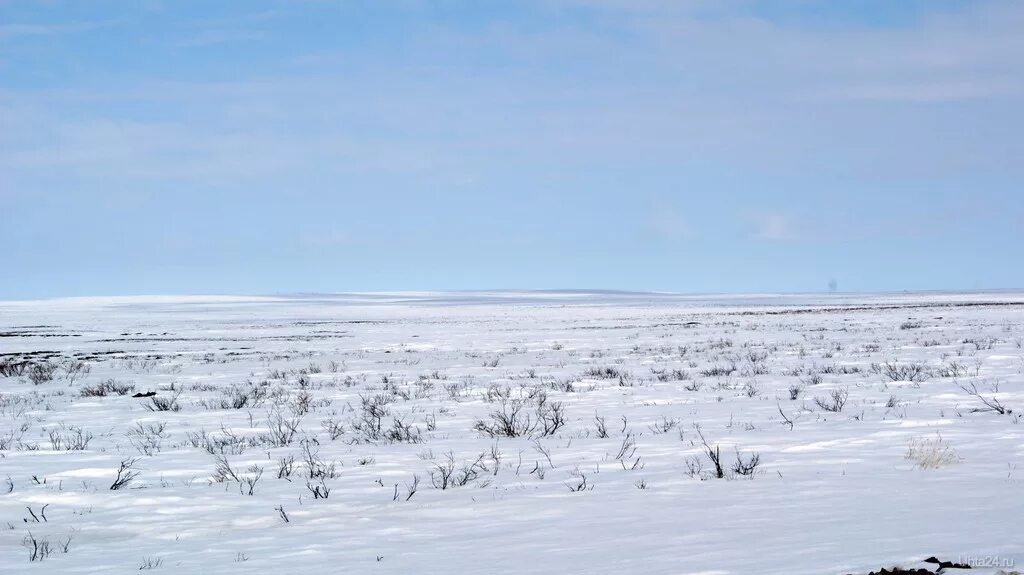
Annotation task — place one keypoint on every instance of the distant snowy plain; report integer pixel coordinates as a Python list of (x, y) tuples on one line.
[(512, 432)]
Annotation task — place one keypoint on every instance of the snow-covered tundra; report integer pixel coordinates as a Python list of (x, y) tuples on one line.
[(512, 433)]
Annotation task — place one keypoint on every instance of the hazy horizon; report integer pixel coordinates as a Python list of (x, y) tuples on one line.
[(573, 295)]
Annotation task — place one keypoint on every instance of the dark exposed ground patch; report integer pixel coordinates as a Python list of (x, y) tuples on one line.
[(305, 338), (41, 353), (36, 334), (941, 566), (840, 309)]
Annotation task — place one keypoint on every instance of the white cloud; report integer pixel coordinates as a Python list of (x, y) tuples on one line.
[(212, 36), (774, 227), (325, 239), (925, 91), (669, 224), (12, 31)]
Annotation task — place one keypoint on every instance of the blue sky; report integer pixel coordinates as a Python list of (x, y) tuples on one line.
[(263, 147)]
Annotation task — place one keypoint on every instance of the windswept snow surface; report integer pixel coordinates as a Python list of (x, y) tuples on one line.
[(385, 389)]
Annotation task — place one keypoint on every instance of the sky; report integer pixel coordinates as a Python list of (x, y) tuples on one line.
[(204, 147)]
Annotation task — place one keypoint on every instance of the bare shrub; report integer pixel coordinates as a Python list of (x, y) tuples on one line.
[(245, 396), (107, 387), (448, 475), (13, 368), (42, 372), (248, 483), (579, 485), (931, 453), (511, 419), (953, 369), (163, 402), (786, 420), (125, 474), (990, 403), (626, 456), (222, 470), (285, 467), (316, 466), (837, 369), (402, 431), (746, 467), (282, 514), (75, 370), (302, 402), (811, 379), (893, 371), (835, 401), (664, 425), (224, 442), (628, 447), (333, 428), (550, 415), (695, 467), (981, 343), (411, 488), (368, 422), (564, 385), (719, 370), (11, 438), (742, 467), (318, 488), (671, 375), (454, 390), (751, 389), (282, 428), (603, 373), (39, 549), (148, 438), (69, 438), (714, 454), (529, 414)]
